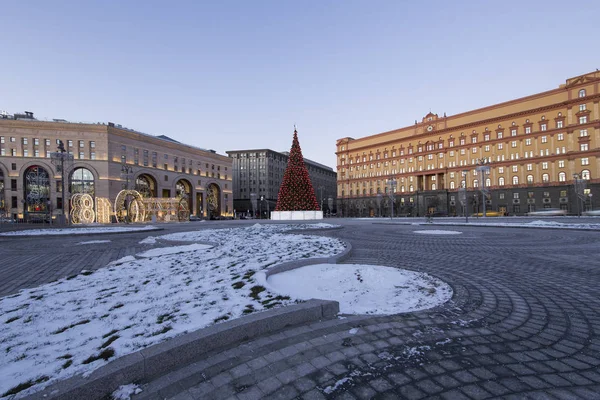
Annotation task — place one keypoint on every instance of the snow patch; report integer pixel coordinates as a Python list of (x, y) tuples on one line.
[(362, 289)]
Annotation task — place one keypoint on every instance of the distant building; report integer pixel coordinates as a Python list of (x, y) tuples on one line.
[(532, 153), (260, 172), (106, 159)]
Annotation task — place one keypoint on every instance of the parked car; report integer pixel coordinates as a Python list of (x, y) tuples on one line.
[(195, 218), (547, 212)]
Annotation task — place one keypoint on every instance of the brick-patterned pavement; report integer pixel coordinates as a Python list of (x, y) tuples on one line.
[(524, 321)]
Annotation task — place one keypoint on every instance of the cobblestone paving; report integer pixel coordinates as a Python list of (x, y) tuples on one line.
[(524, 322)]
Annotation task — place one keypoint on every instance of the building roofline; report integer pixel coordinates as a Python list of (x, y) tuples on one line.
[(283, 153), (561, 88)]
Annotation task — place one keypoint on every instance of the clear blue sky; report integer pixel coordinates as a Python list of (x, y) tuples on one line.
[(231, 75)]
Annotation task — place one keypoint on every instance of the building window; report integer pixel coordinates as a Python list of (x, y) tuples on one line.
[(474, 150), (585, 174), (584, 147), (528, 142), (92, 144), (582, 93), (36, 142), (70, 143), (583, 132), (92, 156), (527, 129), (529, 167), (47, 141), (543, 127), (515, 168), (81, 155), (530, 179), (583, 119), (500, 146), (513, 143), (501, 170), (500, 135), (561, 163), (544, 139), (560, 136), (1, 139), (515, 195), (585, 161), (13, 152), (544, 165), (24, 140), (13, 140), (81, 144), (25, 153), (2, 152), (582, 107), (501, 181), (515, 180), (559, 124), (562, 177)]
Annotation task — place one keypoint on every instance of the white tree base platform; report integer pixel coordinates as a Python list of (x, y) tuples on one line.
[(296, 215)]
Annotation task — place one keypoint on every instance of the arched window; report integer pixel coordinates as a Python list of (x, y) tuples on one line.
[(452, 185), (585, 174), (545, 178), (501, 181), (183, 188), (433, 186), (411, 188), (488, 182), (475, 183), (562, 177), (82, 181), (145, 185), (530, 179), (515, 180), (37, 190), (582, 93), (402, 188)]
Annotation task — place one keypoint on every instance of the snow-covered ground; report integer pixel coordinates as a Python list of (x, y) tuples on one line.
[(78, 231), (361, 289), (77, 325), (438, 232)]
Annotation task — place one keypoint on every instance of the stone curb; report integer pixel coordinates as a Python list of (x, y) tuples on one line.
[(72, 235), (162, 358), (290, 265)]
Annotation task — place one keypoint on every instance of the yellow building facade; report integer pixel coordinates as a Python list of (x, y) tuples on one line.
[(523, 155)]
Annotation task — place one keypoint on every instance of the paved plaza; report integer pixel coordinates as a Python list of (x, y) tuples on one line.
[(524, 321)]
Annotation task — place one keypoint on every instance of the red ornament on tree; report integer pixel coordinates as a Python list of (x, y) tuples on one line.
[(296, 192)]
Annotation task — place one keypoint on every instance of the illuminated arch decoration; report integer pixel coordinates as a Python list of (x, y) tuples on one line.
[(183, 188), (103, 210), (213, 198), (166, 209), (129, 205), (82, 209)]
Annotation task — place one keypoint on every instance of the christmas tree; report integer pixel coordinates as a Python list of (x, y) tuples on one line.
[(296, 192)]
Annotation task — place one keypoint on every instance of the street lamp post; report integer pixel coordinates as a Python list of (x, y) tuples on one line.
[(392, 183), (483, 168), (462, 195), (126, 172), (60, 158), (253, 203), (579, 185)]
